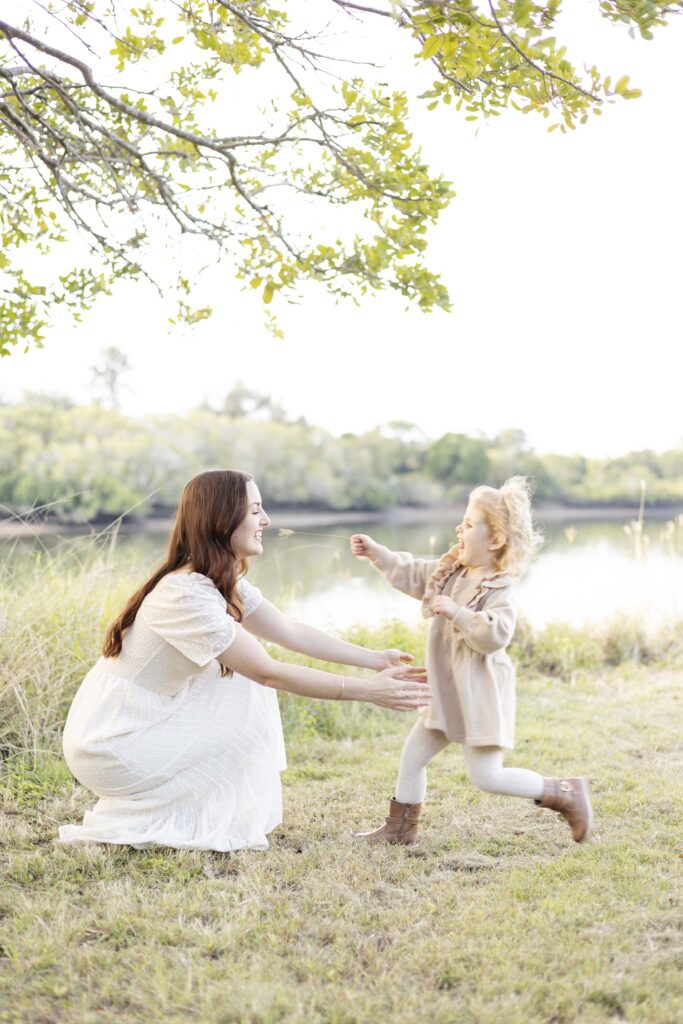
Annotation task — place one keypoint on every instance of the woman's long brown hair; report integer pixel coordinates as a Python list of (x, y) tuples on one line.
[(212, 506)]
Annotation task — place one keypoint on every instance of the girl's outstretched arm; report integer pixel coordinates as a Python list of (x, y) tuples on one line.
[(399, 568), (269, 623)]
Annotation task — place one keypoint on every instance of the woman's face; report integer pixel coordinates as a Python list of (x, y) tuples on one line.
[(475, 543), (247, 537)]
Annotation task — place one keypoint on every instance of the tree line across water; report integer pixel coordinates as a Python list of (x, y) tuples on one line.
[(86, 462)]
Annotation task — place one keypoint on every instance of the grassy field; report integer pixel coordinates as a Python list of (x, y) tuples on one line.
[(495, 917)]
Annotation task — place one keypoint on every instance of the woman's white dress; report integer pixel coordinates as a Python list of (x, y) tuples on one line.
[(178, 755)]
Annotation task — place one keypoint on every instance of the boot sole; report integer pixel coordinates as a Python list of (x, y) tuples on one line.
[(589, 807), (369, 838)]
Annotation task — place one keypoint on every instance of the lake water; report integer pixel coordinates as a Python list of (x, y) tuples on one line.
[(587, 572)]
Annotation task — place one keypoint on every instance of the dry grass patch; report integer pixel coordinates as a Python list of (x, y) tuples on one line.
[(496, 916)]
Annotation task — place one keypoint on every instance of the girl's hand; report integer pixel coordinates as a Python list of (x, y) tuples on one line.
[(387, 659), (444, 606), (398, 688), (363, 546)]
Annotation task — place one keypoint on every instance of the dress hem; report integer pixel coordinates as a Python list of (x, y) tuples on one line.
[(475, 741), (72, 839)]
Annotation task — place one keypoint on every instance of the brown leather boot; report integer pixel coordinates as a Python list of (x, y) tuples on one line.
[(571, 798), (399, 827)]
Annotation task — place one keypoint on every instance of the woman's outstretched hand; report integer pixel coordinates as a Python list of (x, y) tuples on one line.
[(390, 658), (399, 688), (363, 546)]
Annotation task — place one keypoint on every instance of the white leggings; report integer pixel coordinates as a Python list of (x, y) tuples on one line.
[(484, 766)]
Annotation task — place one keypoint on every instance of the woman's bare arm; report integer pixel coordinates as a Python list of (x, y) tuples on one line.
[(268, 622), (400, 687)]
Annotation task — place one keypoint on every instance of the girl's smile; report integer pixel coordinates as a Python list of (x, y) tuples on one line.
[(476, 548)]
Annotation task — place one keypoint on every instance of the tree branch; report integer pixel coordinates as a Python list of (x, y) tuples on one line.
[(543, 72)]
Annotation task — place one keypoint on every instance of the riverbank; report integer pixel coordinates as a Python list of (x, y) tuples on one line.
[(20, 526)]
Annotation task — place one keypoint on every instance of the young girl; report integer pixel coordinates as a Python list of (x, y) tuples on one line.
[(469, 594)]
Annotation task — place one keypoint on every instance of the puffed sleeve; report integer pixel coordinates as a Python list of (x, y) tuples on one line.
[(405, 572), (250, 596), (190, 614), (492, 628)]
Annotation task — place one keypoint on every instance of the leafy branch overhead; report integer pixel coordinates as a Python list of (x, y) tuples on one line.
[(265, 138)]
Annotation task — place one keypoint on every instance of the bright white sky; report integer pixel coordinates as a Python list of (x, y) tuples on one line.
[(562, 256)]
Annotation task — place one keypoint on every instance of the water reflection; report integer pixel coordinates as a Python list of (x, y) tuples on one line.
[(587, 571)]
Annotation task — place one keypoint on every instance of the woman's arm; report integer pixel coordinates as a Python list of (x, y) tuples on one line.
[(399, 688), (268, 622)]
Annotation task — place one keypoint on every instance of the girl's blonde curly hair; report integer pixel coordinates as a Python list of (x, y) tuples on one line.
[(507, 511)]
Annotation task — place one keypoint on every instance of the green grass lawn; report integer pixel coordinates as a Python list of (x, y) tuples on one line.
[(496, 916)]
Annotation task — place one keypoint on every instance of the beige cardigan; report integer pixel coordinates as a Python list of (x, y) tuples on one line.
[(472, 678)]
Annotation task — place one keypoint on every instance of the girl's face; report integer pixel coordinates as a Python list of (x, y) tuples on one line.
[(476, 546), (247, 538)]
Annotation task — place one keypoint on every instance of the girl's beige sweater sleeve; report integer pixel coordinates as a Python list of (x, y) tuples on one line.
[(492, 628), (405, 572)]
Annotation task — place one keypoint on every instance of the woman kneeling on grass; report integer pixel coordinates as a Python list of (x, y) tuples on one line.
[(468, 594), (177, 727)]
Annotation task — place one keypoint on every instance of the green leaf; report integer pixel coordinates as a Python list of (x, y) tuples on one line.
[(431, 47)]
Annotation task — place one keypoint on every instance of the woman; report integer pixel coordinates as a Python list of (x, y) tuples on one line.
[(177, 727)]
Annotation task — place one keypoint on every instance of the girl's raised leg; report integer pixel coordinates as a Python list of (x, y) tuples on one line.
[(570, 796), (485, 769)]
